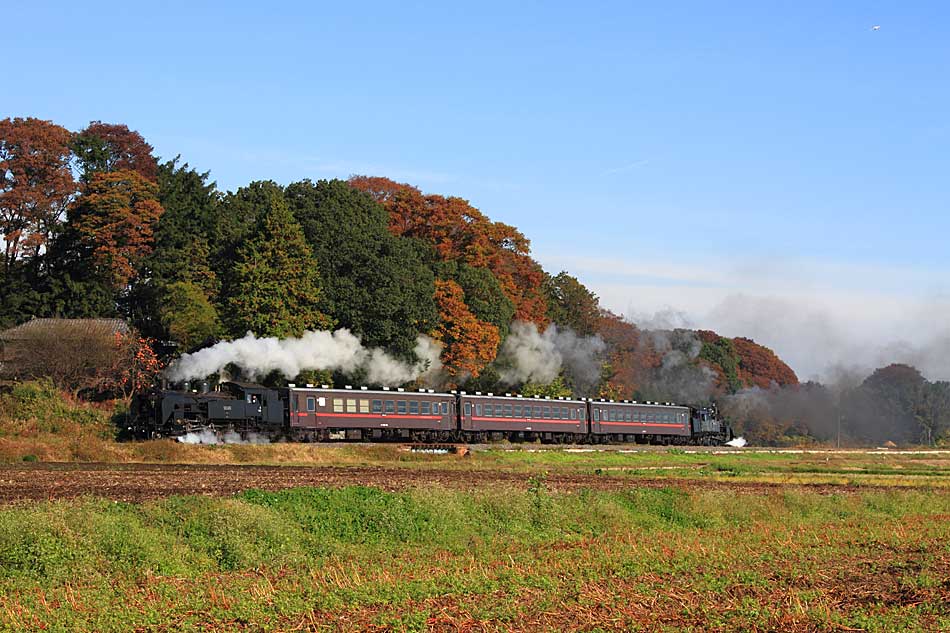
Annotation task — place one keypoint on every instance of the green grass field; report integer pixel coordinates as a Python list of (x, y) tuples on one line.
[(500, 559)]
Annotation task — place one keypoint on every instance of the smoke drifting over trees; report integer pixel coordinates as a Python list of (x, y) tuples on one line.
[(532, 356), (315, 350)]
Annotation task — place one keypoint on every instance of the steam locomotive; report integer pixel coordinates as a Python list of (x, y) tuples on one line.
[(321, 414)]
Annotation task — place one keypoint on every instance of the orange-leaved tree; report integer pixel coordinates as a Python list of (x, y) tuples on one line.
[(134, 366), (36, 184), (116, 218), (468, 343), (459, 231)]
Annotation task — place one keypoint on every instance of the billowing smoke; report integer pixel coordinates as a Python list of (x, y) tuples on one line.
[(853, 409), (678, 378), (230, 437), (315, 350), (532, 356)]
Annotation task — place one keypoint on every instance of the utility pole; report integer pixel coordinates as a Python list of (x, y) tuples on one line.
[(839, 429)]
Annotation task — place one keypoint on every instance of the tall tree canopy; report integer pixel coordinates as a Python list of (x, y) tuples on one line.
[(571, 304), (374, 283), (235, 217), (36, 184), (482, 293), (106, 147), (468, 343), (459, 231), (116, 218), (274, 289)]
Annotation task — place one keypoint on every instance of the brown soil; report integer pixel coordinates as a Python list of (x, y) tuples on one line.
[(138, 482)]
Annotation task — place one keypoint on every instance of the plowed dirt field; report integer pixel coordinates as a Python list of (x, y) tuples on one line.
[(138, 482)]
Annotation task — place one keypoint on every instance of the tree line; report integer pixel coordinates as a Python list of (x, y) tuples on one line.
[(94, 225)]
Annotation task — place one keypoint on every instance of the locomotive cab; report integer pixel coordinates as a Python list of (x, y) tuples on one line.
[(708, 428)]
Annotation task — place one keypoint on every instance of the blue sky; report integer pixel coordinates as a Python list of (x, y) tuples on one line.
[(693, 159)]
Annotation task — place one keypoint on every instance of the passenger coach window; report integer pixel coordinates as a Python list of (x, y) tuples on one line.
[(445, 408), (468, 409), (401, 407), (351, 406), (364, 406), (518, 411), (546, 412), (390, 406), (507, 410), (596, 415), (478, 410), (425, 408), (377, 406), (489, 411), (311, 404), (537, 411), (337, 405), (414, 407)]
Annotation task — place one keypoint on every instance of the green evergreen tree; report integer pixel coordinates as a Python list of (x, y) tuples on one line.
[(274, 289), (188, 316), (571, 304), (375, 283)]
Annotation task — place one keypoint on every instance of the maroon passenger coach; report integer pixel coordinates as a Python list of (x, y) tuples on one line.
[(321, 413), (634, 421), (492, 417)]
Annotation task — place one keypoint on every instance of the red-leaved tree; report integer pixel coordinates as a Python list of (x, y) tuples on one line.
[(36, 184)]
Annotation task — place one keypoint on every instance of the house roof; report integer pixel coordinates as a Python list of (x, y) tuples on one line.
[(65, 327)]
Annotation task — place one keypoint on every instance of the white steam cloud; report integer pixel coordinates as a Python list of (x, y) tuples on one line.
[(208, 436), (532, 356), (315, 350)]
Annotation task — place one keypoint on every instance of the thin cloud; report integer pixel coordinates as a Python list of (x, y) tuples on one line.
[(628, 167)]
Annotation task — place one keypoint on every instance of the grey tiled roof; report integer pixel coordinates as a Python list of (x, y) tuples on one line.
[(65, 327)]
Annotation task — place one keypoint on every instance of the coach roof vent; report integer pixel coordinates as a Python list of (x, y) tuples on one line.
[(430, 390), (292, 385), (490, 393), (399, 389), (309, 386), (364, 388), (478, 393), (385, 388), (421, 390), (348, 386), (507, 395)]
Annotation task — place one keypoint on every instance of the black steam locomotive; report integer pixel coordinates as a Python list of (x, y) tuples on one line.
[(319, 413)]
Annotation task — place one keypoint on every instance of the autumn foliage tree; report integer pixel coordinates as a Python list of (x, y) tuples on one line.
[(105, 147), (134, 366), (459, 231), (36, 184), (468, 343), (116, 219)]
